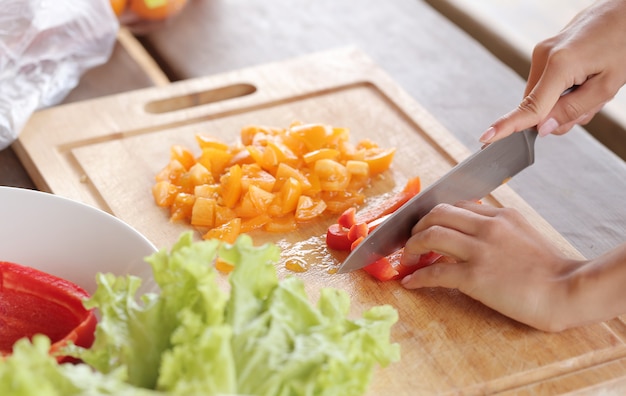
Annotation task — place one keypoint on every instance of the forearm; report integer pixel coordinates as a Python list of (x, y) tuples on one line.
[(595, 291)]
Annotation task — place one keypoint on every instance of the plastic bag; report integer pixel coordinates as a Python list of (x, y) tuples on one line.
[(45, 47)]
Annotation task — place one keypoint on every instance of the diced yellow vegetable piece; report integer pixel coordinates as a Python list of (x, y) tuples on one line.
[(231, 186), (183, 155), (203, 212), (333, 176), (223, 266), (215, 160), (227, 232), (323, 153), (199, 175), (285, 171), (309, 208), (205, 141), (289, 194), (164, 193), (358, 168)]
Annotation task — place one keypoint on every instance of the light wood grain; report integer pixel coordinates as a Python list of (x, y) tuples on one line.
[(105, 152)]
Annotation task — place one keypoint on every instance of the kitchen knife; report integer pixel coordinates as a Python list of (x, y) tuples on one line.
[(471, 180)]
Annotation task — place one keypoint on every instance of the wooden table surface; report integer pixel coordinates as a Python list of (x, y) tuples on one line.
[(577, 184)]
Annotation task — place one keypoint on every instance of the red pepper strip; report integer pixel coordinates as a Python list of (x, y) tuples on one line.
[(359, 230), (425, 260), (347, 219), (337, 234), (356, 242), (381, 269), (337, 238), (34, 302), (389, 267), (411, 189)]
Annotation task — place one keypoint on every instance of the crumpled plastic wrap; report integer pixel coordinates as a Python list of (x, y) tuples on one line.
[(45, 47)]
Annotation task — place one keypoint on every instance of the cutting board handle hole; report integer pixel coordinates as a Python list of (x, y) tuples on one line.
[(199, 98)]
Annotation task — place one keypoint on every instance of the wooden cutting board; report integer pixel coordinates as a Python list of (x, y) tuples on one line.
[(106, 152)]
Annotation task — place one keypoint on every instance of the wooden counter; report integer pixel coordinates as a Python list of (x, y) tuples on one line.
[(449, 342), (577, 186)]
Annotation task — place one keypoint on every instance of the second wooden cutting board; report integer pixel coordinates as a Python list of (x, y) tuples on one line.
[(106, 152)]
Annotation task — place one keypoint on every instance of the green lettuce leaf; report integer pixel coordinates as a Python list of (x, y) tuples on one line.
[(261, 337), (30, 370)]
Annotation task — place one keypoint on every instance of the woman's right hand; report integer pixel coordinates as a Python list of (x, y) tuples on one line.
[(590, 53)]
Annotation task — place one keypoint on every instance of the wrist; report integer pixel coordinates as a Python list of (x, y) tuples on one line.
[(563, 302), (592, 291), (571, 302)]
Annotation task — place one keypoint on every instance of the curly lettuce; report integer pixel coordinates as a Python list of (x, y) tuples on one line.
[(261, 337)]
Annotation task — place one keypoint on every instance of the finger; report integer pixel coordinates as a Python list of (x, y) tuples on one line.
[(438, 239), (449, 216), (583, 120), (576, 107), (534, 108), (448, 275), (479, 208), (538, 62)]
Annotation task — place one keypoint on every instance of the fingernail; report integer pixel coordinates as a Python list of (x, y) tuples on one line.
[(488, 135), (406, 279), (548, 127)]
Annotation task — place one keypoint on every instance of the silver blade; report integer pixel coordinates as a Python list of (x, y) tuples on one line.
[(470, 180)]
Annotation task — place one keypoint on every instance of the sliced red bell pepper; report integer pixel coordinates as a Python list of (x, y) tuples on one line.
[(34, 302), (389, 267), (352, 227), (381, 269), (356, 242), (359, 230), (348, 218), (337, 238), (425, 260), (411, 189)]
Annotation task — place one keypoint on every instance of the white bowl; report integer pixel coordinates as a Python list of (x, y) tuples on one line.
[(69, 239)]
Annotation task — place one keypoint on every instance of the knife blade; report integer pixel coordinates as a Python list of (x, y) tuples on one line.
[(472, 179)]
